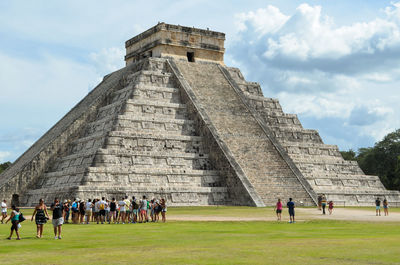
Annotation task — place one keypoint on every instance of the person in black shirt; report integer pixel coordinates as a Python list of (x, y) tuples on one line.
[(290, 206), (113, 211), (58, 219), (378, 206)]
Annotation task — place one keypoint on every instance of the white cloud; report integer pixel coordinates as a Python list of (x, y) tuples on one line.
[(4, 156), (108, 60), (348, 74)]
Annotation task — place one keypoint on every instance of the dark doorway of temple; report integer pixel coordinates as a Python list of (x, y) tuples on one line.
[(190, 56)]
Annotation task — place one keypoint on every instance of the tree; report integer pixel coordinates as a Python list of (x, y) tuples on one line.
[(382, 160), (349, 155), (4, 166)]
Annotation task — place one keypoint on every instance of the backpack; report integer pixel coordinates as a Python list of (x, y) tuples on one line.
[(21, 218), (101, 206)]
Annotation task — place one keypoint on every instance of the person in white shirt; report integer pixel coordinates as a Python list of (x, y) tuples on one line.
[(122, 210), (88, 210), (3, 210)]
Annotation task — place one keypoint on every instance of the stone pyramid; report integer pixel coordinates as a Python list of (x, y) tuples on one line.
[(177, 123)]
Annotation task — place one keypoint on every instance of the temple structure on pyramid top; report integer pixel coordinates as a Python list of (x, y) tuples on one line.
[(176, 123)]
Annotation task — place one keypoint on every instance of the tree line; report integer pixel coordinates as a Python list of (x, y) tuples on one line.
[(383, 160), (4, 166)]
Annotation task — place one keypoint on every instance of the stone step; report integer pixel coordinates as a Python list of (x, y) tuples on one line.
[(149, 179), (277, 127), (158, 94), (107, 157), (167, 154), (144, 134), (126, 170), (74, 160), (158, 188), (155, 123), (147, 77), (156, 142), (244, 138), (283, 119), (297, 135), (156, 109), (348, 189), (340, 176), (315, 158)]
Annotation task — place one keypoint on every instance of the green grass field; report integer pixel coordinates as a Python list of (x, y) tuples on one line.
[(310, 242)]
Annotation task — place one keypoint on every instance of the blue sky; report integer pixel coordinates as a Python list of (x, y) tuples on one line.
[(335, 63)]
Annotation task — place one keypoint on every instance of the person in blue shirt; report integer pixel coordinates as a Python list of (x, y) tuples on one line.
[(290, 206)]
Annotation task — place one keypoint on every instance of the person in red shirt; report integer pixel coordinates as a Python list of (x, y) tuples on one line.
[(330, 207), (278, 209)]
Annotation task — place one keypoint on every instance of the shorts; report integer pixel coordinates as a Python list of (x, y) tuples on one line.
[(291, 212), (143, 211), (88, 212), (164, 210), (95, 214), (102, 212), (58, 221), (135, 211), (4, 211), (74, 210), (278, 211), (15, 225), (378, 207)]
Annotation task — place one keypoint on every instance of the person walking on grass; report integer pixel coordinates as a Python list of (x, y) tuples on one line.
[(163, 204), (290, 205), (278, 209), (14, 217), (330, 207), (41, 217), (58, 219), (3, 210), (378, 206), (386, 207)]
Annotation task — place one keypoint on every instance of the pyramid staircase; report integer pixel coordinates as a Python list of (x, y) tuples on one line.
[(321, 164)]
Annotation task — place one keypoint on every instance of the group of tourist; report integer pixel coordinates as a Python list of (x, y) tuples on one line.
[(112, 211), (96, 210), (279, 207), (378, 207), (322, 203)]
